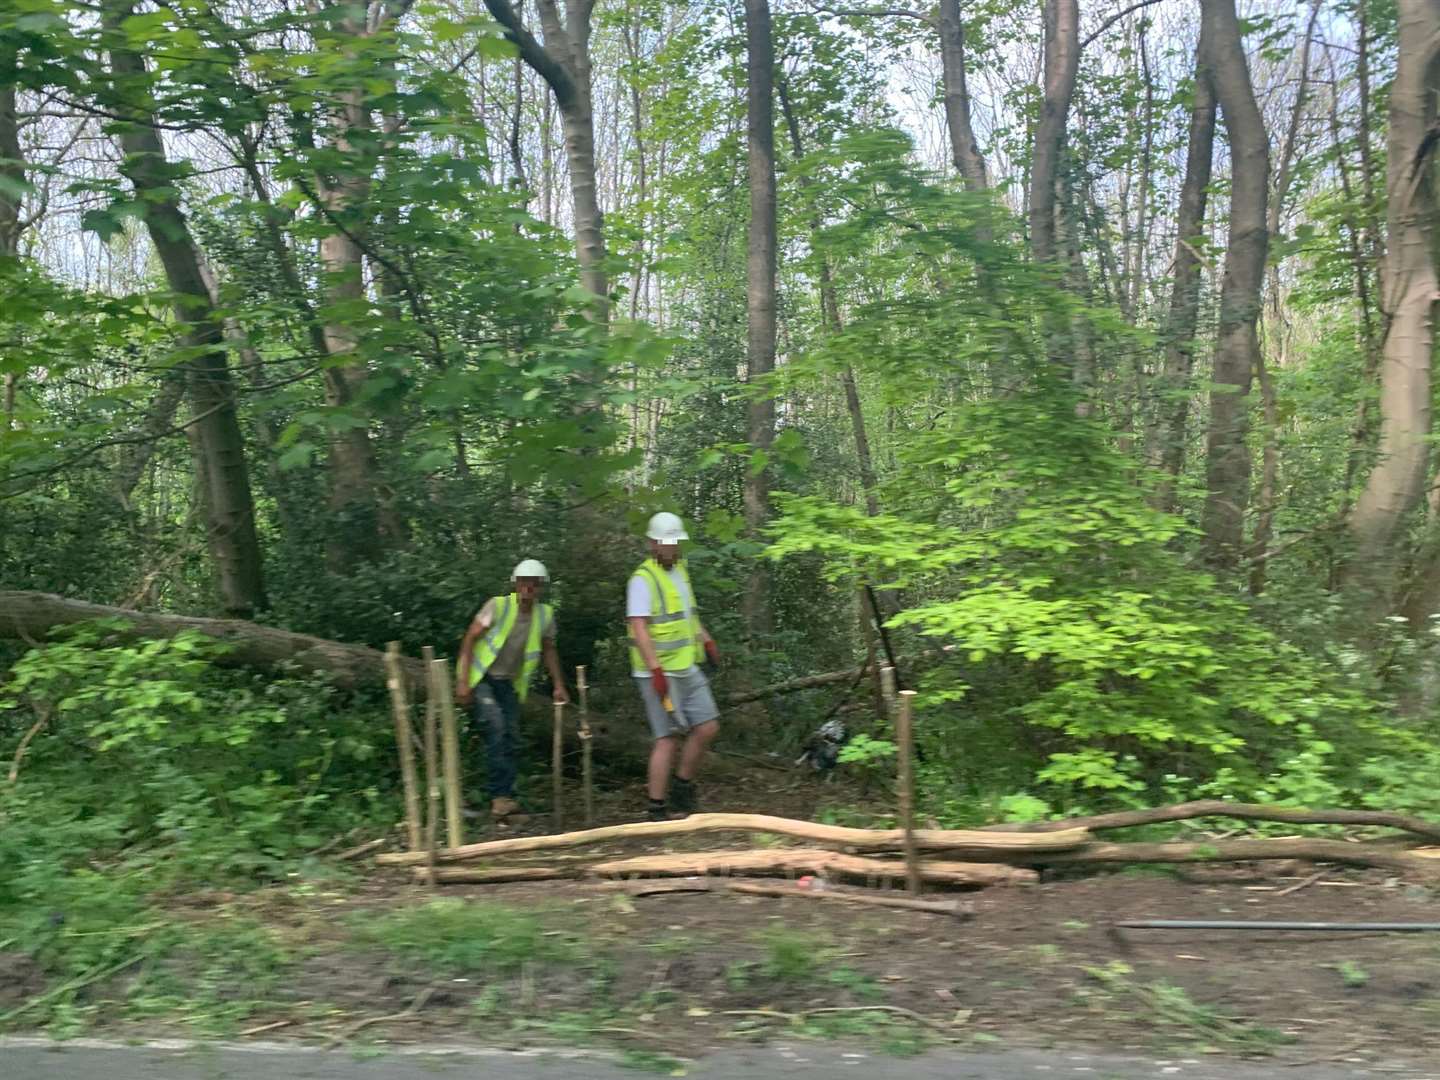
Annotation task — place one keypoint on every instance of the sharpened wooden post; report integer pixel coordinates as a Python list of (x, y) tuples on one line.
[(404, 734), (434, 672), (586, 776), (905, 740), (557, 763), (449, 755)]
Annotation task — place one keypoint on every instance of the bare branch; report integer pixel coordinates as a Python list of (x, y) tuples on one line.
[(1108, 23)]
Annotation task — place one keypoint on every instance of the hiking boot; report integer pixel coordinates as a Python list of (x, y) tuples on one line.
[(657, 811), (503, 806), (682, 797)]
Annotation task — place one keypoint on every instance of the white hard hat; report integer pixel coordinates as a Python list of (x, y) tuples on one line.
[(531, 568), (667, 528)]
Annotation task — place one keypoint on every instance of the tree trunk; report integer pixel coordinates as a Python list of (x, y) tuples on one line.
[(1227, 462), (12, 176), (964, 150), (760, 292), (1173, 386), (1062, 64), (221, 465), (1409, 285), (1270, 453), (356, 530), (32, 616), (563, 61)]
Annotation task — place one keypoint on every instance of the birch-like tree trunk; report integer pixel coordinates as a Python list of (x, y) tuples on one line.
[(1061, 66), (563, 61), (1227, 461), (1410, 287), (964, 148)]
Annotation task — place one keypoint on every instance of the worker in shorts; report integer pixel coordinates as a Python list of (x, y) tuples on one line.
[(501, 651), (666, 643)]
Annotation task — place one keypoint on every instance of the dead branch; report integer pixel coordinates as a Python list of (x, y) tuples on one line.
[(808, 861), (1309, 850), (879, 899), (25, 740), (990, 845), (1125, 819), (790, 686)]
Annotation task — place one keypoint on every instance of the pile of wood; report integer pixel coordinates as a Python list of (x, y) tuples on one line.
[(996, 855)]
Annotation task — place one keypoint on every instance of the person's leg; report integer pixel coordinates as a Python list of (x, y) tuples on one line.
[(662, 760), (509, 708), (693, 752), (488, 714)]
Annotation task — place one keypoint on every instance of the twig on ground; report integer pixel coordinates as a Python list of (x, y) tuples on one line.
[(1303, 883), (775, 1014), (1331, 1055), (262, 1028), (360, 849), (407, 1014)]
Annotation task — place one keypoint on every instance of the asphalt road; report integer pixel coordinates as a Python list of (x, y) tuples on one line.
[(87, 1059)]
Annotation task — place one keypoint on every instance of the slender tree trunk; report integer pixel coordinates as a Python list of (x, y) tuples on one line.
[(563, 61), (760, 289), (1227, 463), (1410, 287), (1270, 452), (964, 149), (1173, 386), (830, 313), (12, 176), (1062, 65), (1142, 201), (215, 428)]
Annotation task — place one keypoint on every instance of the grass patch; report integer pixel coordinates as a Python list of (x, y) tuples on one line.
[(453, 937)]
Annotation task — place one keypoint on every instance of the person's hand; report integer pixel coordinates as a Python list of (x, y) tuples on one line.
[(562, 696), (463, 695), (712, 651), (657, 680)]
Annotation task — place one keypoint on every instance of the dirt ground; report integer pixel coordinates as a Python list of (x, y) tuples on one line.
[(1033, 965), (678, 974)]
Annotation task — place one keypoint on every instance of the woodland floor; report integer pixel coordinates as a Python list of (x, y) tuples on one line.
[(673, 976)]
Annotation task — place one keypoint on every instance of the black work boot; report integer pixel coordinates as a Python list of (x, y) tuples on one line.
[(682, 796), (657, 811)]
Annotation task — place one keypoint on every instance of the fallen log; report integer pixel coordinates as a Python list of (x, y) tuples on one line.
[(790, 686), (976, 844), (1124, 819), (771, 861), (1307, 850), (808, 861), (32, 616), (953, 908)]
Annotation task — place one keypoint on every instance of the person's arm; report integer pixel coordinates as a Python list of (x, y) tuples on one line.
[(478, 626), (640, 629), (557, 674)]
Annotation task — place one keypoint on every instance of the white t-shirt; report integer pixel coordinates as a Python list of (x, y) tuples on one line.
[(637, 602)]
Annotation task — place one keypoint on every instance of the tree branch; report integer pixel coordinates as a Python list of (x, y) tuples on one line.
[(533, 53), (1116, 18)]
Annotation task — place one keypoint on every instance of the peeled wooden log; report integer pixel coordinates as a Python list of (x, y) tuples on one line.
[(1307, 850), (975, 844), (808, 861), (1125, 819), (771, 861)]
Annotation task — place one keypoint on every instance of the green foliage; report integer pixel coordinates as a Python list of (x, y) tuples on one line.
[(458, 937)]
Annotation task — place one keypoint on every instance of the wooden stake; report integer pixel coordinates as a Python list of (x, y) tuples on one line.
[(905, 739), (557, 762), (449, 755), (435, 670), (887, 690), (404, 734), (586, 750)]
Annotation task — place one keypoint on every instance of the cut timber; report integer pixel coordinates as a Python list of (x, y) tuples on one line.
[(972, 844), (773, 861), (1125, 819), (1335, 851), (808, 861), (32, 616)]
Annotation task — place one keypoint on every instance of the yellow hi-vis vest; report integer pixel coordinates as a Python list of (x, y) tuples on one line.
[(488, 646), (675, 634)]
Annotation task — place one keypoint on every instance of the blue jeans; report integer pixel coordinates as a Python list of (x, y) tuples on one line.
[(496, 709)]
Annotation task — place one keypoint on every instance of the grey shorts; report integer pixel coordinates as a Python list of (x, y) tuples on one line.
[(691, 697)]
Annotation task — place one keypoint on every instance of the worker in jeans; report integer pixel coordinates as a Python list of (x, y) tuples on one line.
[(667, 641), (499, 654)]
